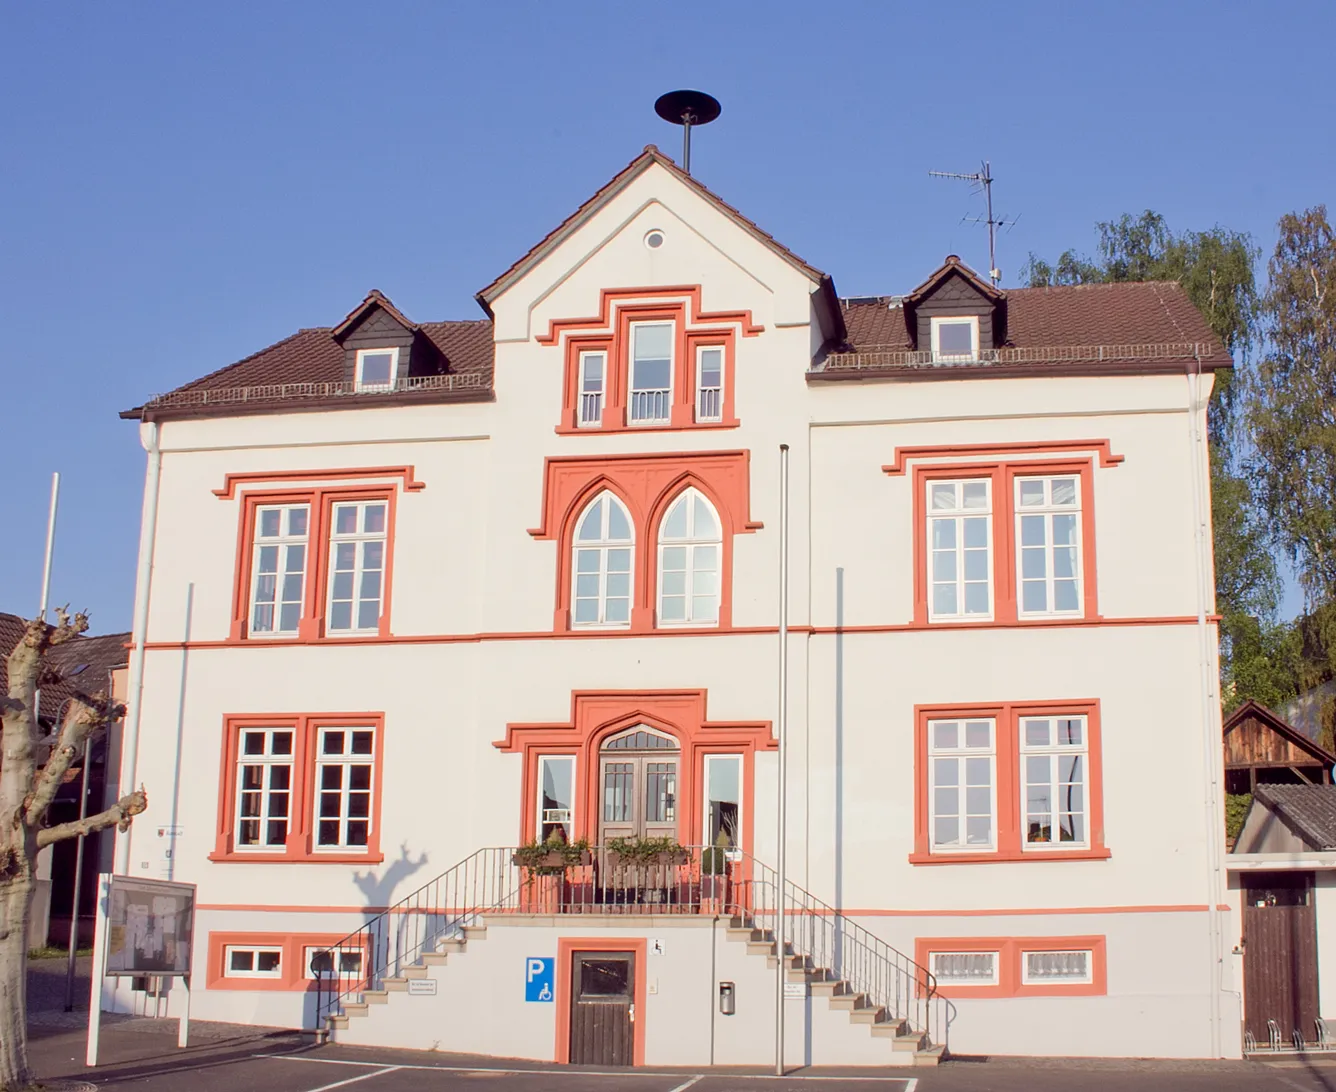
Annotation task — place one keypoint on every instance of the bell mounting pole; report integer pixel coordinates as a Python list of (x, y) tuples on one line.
[(687, 108), (983, 179)]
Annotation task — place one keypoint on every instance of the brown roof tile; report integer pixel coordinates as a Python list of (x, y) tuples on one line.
[(101, 653)]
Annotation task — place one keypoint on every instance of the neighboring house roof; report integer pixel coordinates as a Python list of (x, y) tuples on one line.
[(101, 653), (953, 264), (1308, 810), (375, 298), (1252, 710), (1134, 326), (649, 157)]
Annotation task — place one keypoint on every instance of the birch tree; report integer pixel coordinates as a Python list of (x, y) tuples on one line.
[(29, 781)]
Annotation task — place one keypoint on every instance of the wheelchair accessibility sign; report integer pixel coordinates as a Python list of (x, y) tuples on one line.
[(538, 978)]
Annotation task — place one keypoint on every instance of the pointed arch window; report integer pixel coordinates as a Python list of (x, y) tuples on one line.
[(690, 547), (604, 542)]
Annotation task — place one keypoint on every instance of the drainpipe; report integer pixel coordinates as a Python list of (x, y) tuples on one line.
[(1210, 703), (148, 533)]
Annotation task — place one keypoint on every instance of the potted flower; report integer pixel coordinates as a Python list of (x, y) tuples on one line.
[(552, 857), (714, 873)]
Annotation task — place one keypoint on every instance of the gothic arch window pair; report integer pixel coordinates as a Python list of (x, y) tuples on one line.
[(689, 560)]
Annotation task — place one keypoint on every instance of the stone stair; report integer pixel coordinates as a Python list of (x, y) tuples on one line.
[(839, 993)]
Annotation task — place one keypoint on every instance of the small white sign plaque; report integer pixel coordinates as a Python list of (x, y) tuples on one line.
[(656, 947), (794, 991), (422, 986)]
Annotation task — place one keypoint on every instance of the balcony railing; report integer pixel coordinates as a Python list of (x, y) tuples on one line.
[(709, 404), (591, 409), (603, 881), (874, 359), (649, 405), (288, 392)]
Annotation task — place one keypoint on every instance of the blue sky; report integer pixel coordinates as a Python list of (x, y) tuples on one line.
[(187, 183)]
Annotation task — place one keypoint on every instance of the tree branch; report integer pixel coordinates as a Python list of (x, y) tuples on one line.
[(118, 815), (83, 717)]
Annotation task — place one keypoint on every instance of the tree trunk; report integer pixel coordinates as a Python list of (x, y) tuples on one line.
[(15, 903)]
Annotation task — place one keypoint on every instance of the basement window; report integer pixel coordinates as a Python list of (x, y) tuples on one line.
[(965, 968), (332, 961), (241, 962), (1041, 968)]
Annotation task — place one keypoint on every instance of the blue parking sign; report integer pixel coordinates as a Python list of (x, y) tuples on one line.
[(538, 978)]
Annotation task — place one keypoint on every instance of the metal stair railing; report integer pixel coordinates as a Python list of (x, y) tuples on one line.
[(399, 936), (824, 939), (699, 880)]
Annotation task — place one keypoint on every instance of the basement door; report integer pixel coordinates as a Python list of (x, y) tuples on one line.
[(1280, 956), (603, 1010)]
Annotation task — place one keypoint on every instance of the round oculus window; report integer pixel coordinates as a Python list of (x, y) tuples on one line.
[(654, 239)]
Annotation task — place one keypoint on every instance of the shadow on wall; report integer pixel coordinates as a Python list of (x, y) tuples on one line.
[(378, 893)]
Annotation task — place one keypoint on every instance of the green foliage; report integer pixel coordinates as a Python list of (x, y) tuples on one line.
[(645, 850), (1292, 403), (1236, 809), (551, 857)]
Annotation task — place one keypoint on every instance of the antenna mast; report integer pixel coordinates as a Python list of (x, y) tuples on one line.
[(983, 178)]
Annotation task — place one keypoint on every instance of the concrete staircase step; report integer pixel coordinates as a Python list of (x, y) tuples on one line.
[(930, 1055), (849, 1001), (395, 985), (336, 1023), (830, 987), (375, 997), (911, 1041), (434, 959), (475, 932), (454, 944), (355, 1008), (890, 1028), (413, 972), (869, 1015)]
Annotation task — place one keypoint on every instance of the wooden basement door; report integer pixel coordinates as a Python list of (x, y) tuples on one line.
[(603, 1010), (1280, 956)]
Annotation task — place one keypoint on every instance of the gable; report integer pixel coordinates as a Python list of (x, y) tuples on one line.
[(1255, 736)]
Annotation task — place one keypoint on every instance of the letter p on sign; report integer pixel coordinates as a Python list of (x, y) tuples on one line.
[(539, 973)]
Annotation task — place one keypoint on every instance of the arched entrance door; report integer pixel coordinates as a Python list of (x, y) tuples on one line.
[(638, 771)]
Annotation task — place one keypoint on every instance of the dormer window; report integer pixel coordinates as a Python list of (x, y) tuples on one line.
[(651, 372), (376, 369), (955, 340)]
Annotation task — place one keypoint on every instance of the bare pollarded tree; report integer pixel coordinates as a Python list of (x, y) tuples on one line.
[(29, 780)]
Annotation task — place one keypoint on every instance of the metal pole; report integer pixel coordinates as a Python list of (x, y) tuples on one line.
[(782, 721), (78, 874), (50, 543), (686, 142)]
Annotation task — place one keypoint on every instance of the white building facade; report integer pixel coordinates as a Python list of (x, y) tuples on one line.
[(420, 594)]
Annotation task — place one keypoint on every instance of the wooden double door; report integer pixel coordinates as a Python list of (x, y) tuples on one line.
[(603, 1010), (638, 778), (1280, 956)]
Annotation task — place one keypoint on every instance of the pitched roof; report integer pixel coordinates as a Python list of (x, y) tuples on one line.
[(1308, 810), (101, 653), (953, 265), (1132, 326), (375, 298), (650, 156), (1253, 710), (305, 370)]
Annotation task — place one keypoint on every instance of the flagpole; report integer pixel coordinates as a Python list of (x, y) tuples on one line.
[(781, 930)]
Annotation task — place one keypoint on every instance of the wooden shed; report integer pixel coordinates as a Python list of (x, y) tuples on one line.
[(1262, 749)]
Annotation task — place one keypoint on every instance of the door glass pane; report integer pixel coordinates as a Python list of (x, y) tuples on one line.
[(660, 792), (605, 977), (723, 799), (617, 778)]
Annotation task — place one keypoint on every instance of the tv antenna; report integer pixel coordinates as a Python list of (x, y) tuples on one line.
[(687, 108), (984, 180)]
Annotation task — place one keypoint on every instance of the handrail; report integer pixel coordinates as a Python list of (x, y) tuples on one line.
[(703, 880)]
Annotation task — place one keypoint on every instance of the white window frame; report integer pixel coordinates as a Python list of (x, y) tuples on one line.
[(603, 546), (310, 951), (960, 754), (1053, 751), (283, 542), (267, 761), (718, 392), (1048, 510), (1027, 979), (255, 950), (539, 811), (631, 374), (938, 321), (587, 399), (734, 854), (691, 543), (959, 515), (359, 540), (360, 386), (346, 761), (967, 983)]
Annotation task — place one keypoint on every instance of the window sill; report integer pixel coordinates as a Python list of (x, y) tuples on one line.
[(648, 426), (297, 858), (1096, 853)]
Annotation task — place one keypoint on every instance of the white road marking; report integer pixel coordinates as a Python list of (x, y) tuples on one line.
[(353, 1080), (907, 1084)]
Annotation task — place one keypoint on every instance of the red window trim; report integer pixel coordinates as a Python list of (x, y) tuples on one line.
[(1010, 844), (647, 484), (597, 715), (321, 500), (610, 332), (301, 835), (1003, 477), (292, 977), (566, 949), (1010, 953)]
